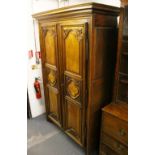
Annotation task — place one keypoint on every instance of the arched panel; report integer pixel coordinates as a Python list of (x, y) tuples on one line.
[(72, 53), (50, 48)]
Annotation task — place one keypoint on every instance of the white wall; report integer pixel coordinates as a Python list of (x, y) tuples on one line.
[(37, 106), (43, 5), (108, 2)]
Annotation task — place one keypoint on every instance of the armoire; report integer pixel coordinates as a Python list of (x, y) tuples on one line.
[(78, 49)]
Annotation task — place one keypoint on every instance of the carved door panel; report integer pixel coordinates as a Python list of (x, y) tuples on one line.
[(51, 73), (73, 38)]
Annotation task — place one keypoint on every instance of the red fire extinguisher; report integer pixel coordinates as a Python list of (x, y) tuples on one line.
[(37, 88)]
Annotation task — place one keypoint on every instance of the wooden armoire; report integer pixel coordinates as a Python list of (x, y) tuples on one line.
[(78, 47)]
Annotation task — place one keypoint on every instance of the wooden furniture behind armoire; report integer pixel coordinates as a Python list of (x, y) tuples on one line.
[(114, 129), (121, 75), (78, 46)]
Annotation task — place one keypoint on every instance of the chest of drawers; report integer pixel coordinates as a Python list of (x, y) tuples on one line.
[(114, 130)]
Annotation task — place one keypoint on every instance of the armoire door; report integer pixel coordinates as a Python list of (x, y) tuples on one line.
[(73, 54), (51, 73)]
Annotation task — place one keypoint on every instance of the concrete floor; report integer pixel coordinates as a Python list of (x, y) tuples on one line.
[(44, 138)]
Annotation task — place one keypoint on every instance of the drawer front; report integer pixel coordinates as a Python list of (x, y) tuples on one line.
[(114, 145), (104, 150), (115, 127)]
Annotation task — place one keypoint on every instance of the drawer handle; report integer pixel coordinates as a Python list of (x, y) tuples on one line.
[(122, 132)]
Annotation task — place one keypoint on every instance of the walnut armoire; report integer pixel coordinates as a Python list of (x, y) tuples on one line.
[(78, 46)]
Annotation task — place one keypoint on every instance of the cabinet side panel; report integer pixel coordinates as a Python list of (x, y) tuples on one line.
[(102, 63)]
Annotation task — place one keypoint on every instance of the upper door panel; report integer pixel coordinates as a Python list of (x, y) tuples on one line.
[(50, 44), (73, 48)]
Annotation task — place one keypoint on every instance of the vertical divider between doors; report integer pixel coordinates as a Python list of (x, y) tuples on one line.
[(60, 55), (85, 84)]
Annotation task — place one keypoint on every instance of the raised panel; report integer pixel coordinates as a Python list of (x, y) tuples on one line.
[(73, 48), (50, 44), (73, 120), (53, 103), (54, 106), (72, 54), (73, 89)]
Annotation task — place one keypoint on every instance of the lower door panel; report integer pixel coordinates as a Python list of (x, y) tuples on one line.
[(73, 125), (54, 106)]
